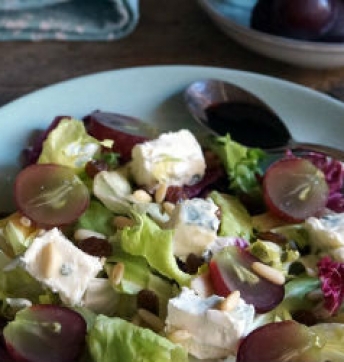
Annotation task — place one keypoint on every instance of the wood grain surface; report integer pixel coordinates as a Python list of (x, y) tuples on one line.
[(169, 32)]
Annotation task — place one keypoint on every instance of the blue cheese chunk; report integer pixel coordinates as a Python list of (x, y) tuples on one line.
[(175, 158), (195, 225), (213, 333), (327, 233), (58, 264)]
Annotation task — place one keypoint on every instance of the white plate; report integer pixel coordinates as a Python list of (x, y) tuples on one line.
[(154, 94), (234, 21)]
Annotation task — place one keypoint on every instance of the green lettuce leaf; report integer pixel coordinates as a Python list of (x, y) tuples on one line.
[(137, 276), (278, 256), (70, 145), (332, 334), (17, 285), (112, 188), (241, 163), (296, 233), (97, 218), (16, 236), (148, 240), (100, 297), (235, 219), (296, 293), (114, 339)]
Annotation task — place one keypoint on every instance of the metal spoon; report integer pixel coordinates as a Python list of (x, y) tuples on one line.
[(223, 107)]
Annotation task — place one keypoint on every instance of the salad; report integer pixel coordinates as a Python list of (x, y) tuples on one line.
[(128, 245)]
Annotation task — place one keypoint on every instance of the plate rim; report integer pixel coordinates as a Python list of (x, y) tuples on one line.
[(178, 77), (169, 67)]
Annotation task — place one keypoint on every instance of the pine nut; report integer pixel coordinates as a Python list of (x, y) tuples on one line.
[(25, 221), (160, 193), (82, 234), (142, 196), (230, 302), (168, 207), (122, 221), (40, 232), (136, 320), (269, 273), (50, 260), (117, 273), (154, 322), (179, 335)]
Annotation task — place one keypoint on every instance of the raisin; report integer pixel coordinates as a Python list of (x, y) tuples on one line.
[(271, 236), (148, 300), (192, 263), (95, 246), (176, 194), (94, 166), (305, 317)]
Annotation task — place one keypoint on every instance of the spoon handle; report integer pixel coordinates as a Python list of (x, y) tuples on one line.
[(310, 147)]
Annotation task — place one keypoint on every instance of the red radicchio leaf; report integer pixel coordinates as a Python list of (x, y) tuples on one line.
[(212, 176), (241, 243), (331, 274), (334, 175)]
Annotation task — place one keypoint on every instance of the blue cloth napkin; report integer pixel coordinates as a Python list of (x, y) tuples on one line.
[(67, 19)]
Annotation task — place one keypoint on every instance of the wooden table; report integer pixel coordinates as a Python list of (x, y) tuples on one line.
[(169, 32)]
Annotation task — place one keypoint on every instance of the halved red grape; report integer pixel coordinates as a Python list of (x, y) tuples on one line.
[(230, 270), (44, 333), (295, 189), (286, 341), (50, 195), (125, 131)]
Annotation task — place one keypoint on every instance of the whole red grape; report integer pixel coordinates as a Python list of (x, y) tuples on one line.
[(304, 19), (314, 20)]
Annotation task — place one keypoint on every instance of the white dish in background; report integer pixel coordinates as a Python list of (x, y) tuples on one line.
[(234, 21), (154, 94)]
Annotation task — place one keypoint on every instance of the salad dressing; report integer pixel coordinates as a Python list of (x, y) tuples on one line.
[(247, 123)]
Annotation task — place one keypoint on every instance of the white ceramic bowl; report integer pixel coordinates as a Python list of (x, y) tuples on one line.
[(234, 19)]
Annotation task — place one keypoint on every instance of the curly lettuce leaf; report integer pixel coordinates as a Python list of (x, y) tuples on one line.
[(70, 145), (97, 218), (138, 276), (242, 164), (148, 240)]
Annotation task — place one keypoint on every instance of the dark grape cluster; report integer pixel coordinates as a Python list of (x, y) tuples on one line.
[(311, 20)]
